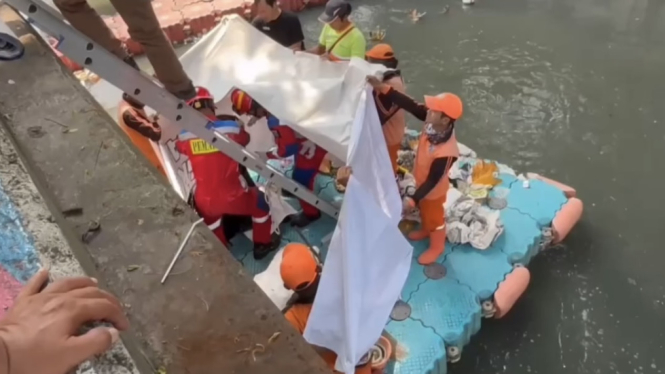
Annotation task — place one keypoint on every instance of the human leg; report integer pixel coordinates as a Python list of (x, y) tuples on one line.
[(253, 203), (433, 221), (305, 171), (144, 28), (86, 20)]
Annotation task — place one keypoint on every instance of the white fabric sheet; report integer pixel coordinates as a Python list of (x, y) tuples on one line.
[(318, 98), (368, 259)]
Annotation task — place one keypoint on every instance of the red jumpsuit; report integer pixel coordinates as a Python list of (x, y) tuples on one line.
[(220, 187), (308, 159)]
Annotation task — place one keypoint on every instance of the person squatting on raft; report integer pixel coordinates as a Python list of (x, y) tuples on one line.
[(140, 129), (301, 273), (340, 39), (221, 185), (390, 114), (307, 155), (437, 151)]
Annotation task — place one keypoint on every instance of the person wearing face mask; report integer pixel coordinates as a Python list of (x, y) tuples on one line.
[(340, 39), (437, 151), (391, 115)]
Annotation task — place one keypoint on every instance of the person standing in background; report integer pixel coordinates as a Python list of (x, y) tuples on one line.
[(144, 28), (390, 114), (340, 39), (281, 26)]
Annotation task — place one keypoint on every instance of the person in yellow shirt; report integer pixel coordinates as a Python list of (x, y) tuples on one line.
[(301, 273), (340, 39)]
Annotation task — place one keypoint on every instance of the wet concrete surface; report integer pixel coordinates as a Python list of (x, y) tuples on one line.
[(209, 317), (571, 89)]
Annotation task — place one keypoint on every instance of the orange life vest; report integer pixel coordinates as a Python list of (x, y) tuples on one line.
[(141, 142), (425, 155), (393, 129)]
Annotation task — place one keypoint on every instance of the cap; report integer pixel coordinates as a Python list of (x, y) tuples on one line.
[(334, 9), (381, 51), (241, 102), (299, 268), (447, 103), (202, 94)]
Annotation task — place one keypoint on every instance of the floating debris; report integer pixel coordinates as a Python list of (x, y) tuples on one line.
[(445, 10), (377, 35), (415, 16)]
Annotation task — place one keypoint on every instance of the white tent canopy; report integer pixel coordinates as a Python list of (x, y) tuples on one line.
[(317, 98)]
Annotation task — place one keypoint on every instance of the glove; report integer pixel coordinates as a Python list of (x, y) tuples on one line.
[(308, 149)]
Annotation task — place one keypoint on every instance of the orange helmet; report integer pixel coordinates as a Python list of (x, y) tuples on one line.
[(380, 52), (299, 268), (202, 99), (446, 103), (241, 102)]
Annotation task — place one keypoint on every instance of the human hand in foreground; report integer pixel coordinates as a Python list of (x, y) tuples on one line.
[(343, 175), (39, 333)]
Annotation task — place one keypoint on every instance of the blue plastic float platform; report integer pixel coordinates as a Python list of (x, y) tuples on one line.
[(442, 307)]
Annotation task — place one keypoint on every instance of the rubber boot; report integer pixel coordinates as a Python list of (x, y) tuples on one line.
[(437, 244), (262, 250), (418, 235), (302, 219)]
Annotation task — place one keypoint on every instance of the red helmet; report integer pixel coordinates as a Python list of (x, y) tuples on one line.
[(202, 99), (241, 102)]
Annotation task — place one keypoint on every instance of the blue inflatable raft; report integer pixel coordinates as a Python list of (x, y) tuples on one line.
[(443, 304)]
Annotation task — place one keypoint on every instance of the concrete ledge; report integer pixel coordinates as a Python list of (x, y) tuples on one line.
[(209, 310)]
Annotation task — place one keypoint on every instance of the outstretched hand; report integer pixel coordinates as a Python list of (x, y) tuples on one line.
[(40, 332), (374, 81)]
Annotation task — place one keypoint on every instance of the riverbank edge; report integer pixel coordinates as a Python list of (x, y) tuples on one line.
[(209, 311)]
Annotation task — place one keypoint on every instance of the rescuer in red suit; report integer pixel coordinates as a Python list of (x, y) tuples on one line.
[(222, 189), (308, 156)]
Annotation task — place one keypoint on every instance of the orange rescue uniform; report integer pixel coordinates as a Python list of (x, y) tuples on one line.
[(298, 315)]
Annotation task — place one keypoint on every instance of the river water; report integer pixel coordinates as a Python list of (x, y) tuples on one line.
[(574, 90)]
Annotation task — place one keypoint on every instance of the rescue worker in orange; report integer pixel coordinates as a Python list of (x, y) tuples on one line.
[(390, 114), (437, 151), (141, 130), (301, 273), (222, 188)]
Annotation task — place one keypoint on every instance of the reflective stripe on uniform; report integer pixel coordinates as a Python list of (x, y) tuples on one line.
[(261, 219), (215, 224)]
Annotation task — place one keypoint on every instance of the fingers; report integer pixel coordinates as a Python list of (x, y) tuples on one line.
[(69, 284), (94, 342), (95, 293), (98, 309), (35, 283)]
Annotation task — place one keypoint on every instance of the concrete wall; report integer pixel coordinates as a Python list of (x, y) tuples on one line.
[(209, 315)]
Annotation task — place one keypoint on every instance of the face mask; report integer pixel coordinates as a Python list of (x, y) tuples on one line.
[(435, 137)]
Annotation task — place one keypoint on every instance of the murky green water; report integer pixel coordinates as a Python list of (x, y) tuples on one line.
[(575, 90)]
